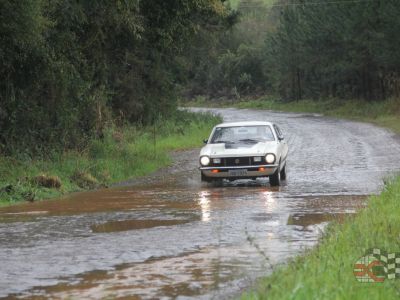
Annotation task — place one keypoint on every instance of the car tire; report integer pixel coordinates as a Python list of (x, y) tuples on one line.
[(283, 173), (275, 179)]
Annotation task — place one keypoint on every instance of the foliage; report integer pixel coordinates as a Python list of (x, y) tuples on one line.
[(300, 50), (234, 67), (123, 152), (68, 68), (343, 49), (337, 49)]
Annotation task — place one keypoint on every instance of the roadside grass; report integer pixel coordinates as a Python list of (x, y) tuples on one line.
[(327, 271), (123, 153), (383, 113)]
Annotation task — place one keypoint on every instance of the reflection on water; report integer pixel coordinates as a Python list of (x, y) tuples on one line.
[(211, 272), (270, 201), (231, 236), (204, 202), (316, 218)]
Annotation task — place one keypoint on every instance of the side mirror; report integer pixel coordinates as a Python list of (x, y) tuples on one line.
[(205, 141)]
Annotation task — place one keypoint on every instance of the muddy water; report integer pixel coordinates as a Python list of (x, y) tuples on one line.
[(167, 235)]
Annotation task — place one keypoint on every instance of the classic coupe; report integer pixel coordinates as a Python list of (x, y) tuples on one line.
[(244, 150)]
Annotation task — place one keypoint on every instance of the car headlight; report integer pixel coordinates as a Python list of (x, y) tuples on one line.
[(270, 158), (204, 160)]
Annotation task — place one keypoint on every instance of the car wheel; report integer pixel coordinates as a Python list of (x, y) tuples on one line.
[(275, 179), (283, 173)]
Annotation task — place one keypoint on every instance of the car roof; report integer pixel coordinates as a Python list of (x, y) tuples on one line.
[(246, 123)]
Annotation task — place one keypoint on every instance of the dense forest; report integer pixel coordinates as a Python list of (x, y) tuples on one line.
[(303, 49), (70, 68), (347, 49)]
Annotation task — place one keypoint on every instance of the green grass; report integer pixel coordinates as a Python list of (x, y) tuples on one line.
[(384, 113), (123, 153), (327, 272)]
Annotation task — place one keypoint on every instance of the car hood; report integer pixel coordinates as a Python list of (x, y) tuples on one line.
[(236, 150)]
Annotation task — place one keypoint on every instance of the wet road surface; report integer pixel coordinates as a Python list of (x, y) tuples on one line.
[(169, 236)]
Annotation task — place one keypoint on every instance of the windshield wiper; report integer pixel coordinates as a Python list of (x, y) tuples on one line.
[(250, 141), (223, 142)]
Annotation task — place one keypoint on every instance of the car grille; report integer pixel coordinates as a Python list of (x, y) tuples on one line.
[(237, 161)]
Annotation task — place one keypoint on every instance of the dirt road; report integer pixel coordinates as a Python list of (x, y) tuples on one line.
[(167, 235)]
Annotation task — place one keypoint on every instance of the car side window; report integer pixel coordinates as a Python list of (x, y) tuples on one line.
[(278, 132)]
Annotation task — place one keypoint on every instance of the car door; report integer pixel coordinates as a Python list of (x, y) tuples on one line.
[(282, 144)]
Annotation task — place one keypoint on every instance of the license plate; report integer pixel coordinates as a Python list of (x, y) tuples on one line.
[(237, 172)]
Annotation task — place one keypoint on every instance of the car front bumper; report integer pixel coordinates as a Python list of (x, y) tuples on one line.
[(252, 171)]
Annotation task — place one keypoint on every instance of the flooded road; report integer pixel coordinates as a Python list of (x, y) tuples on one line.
[(169, 236)]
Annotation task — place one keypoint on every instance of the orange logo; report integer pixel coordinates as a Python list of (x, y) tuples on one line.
[(369, 269), (376, 266)]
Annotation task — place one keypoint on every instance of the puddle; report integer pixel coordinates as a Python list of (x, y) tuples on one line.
[(204, 272), (121, 199), (126, 225), (239, 234), (29, 213), (28, 216), (232, 235), (316, 218)]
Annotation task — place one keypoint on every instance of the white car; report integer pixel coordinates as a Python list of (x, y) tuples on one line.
[(244, 150)]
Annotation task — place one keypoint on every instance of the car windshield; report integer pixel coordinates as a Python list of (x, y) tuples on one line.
[(242, 134)]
